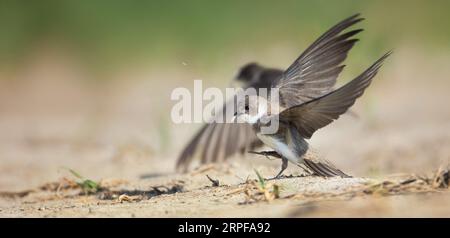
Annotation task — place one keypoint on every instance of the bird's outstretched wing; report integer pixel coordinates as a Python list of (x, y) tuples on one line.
[(314, 72), (216, 142), (317, 113)]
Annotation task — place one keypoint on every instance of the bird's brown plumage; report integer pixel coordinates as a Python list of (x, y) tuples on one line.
[(313, 74), (319, 112)]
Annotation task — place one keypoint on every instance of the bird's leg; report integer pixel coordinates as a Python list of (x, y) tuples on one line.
[(267, 154), (275, 154), (284, 165)]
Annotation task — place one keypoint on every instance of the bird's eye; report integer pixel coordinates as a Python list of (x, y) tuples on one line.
[(246, 108)]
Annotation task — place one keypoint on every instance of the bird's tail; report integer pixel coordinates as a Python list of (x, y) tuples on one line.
[(324, 168)]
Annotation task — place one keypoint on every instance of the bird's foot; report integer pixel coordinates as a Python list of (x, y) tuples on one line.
[(284, 165), (278, 176)]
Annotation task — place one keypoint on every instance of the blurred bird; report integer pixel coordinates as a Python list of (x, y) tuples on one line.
[(315, 73), (216, 142)]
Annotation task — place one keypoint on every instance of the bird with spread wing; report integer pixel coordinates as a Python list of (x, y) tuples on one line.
[(312, 75)]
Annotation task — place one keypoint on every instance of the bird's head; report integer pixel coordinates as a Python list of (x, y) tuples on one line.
[(250, 109), (249, 73)]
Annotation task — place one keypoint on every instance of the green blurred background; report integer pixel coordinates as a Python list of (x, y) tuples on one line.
[(106, 34)]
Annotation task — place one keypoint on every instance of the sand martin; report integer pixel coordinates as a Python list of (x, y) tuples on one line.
[(219, 141), (303, 108)]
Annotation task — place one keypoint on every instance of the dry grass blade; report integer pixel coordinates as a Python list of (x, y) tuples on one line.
[(441, 178), (412, 184), (126, 198), (260, 190)]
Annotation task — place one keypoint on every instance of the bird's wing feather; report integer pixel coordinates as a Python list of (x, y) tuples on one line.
[(317, 113), (216, 142), (323, 168), (314, 72)]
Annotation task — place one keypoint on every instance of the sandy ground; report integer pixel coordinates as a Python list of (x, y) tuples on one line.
[(194, 195), (121, 135)]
